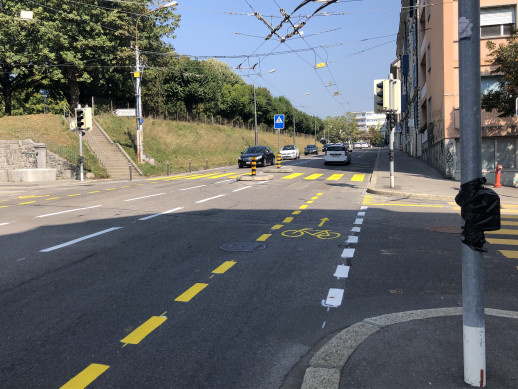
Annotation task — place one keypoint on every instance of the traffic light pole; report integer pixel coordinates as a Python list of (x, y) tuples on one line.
[(392, 131), (474, 343), (138, 107)]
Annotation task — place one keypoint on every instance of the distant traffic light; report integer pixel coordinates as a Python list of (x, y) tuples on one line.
[(381, 96), (80, 116)]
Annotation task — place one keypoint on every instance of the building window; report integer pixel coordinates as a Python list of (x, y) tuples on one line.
[(429, 57), (497, 22), (489, 84)]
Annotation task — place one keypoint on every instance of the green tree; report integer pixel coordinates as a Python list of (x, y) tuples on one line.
[(505, 57), (343, 128)]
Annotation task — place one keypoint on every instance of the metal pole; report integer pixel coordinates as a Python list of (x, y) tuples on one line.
[(167, 168), (294, 127), (316, 131), (81, 176), (138, 107), (255, 117), (474, 332), (130, 172), (392, 132)]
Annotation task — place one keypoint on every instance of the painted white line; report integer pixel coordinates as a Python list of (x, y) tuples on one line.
[(358, 221), (79, 240), (21, 259), (347, 253), (220, 182), (352, 239), (210, 198), (244, 187), (261, 183), (192, 187), (161, 213), (356, 229), (361, 213), (4, 224), (364, 207), (70, 210), (342, 271), (145, 197), (334, 298), (323, 324)]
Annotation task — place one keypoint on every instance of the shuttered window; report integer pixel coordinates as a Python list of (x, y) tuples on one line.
[(495, 22)]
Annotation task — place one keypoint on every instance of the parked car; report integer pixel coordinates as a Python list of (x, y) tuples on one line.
[(324, 148), (264, 156), (290, 152), (337, 153), (311, 149), (361, 145)]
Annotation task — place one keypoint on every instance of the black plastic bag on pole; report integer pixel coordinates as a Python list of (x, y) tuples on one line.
[(480, 209)]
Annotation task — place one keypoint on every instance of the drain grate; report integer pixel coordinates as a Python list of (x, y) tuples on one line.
[(242, 246)]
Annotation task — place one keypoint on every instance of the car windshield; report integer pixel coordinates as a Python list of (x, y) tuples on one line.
[(254, 149), (288, 147), (311, 146), (336, 148)]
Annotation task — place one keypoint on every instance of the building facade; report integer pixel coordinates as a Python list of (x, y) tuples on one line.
[(369, 119), (427, 51)]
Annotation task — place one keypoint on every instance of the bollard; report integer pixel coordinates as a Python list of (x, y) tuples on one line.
[(189, 165), (206, 163), (279, 160), (131, 173), (167, 168), (497, 176), (253, 165)]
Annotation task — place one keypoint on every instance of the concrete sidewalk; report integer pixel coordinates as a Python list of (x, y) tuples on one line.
[(415, 349)]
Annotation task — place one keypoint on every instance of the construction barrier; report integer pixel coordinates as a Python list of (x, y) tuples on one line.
[(278, 160), (254, 165)]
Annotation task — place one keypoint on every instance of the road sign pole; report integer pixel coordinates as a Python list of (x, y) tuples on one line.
[(392, 131)]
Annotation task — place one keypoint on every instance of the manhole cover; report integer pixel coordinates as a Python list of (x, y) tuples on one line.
[(447, 229), (242, 246)]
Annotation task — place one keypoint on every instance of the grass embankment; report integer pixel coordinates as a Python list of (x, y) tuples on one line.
[(177, 142), (52, 130)]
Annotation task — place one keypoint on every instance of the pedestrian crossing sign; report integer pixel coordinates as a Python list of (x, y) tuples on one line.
[(278, 122)]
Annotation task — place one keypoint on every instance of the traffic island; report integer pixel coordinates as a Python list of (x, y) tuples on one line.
[(248, 177), (278, 170)]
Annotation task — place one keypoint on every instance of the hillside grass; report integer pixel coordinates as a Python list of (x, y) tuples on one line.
[(52, 130), (177, 142)]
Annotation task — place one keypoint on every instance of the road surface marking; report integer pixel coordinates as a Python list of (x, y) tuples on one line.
[(313, 176), (220, 175), (79, 239), (303, 207), (503, 232), (192, 187), (127, 186), (86, 377), (210, 198), (74, 195), (221, 182), (144, 330), (110, 188), (200, 176), (4, 224), (342, 271), (288, 220), (28, 202), (364, 207), (245, 187), (508, 223), (224, 267), (145, 197), (52, 198), (4, 206), (352, 239), (348, 253), (295, 212), (334, 177), (361, 214), (161, 213), (191, 292), (509, 253), (309, 202), (95, 191), (356, 229), (70, 210), (263, 237), (319, 194), (358, 177), (275, 227), (291, 176), (510, 242), (314, 198), (358, 221), (334, 298)]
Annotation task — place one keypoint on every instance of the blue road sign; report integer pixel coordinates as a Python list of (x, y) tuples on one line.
[(278, 122)]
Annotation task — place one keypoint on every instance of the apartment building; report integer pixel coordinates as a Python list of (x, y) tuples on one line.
[(428, 58), (369, 119)]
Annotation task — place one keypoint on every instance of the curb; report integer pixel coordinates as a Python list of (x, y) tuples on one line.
[(278, 170), (326, 365), (254, 178)]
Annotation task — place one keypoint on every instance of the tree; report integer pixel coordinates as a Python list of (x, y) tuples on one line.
[(506, 60), (343, 128)]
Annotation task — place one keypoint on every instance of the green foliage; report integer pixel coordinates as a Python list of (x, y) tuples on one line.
[(505, 57), (343, 128)]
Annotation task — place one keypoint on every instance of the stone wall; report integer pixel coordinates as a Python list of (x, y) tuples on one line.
[(21, 154)]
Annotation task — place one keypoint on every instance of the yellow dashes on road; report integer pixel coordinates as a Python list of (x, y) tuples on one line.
[(277, 227), (295, 212), (224, 267), (28, 202), (144, 330), (191, 292), (334, 177), (86, 377), (503, 232), (508, 223), (263, 237), (509, 242), (313, 176), (358, 177), (74, 195), (303, 206), (219, 175), (513, 254), (288, 220), (52, 198), (291, 176)]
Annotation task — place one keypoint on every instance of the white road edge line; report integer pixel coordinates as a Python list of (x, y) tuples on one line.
[(145, 197), (4, 224), (244, 187), (70, 210), (192, 187), (220, 182), (79, 240), (210, 198), (161, 213)]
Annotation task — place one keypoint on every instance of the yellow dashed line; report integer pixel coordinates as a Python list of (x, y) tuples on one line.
[(111, 189), (291, 176), (288, 220), (314, 198), (95, 191), (319, 194), (295, 212), (313, 176), (122, 187), (503, 232), (510, 242), (263, 237), (86, 377), (277, 227), (28, 202), (224, 267), (309, 202), (144, 330), (358, 177), (4, 206), (191, 292), (334, 177), (508, 223), (73, 195), (52, 198), (303, 207), (513, 254)]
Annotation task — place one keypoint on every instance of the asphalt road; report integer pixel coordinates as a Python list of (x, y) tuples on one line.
[(202, 281)]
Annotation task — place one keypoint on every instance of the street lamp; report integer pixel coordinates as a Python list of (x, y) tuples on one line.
[(136, 75), (255, 108)]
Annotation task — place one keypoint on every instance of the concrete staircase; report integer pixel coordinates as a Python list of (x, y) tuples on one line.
[(110, 155)]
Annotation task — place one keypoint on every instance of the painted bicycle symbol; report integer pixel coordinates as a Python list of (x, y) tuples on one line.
[(320, 234)]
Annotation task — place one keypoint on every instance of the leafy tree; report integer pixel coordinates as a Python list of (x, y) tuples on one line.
[(505, 57), (343, 128)]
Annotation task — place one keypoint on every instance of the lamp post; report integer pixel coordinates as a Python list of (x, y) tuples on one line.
[(137, 76), (255, 109)]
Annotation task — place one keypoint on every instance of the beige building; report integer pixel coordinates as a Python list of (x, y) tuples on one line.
[(428, 60)]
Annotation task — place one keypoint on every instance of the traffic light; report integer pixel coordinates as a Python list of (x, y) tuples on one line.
[(392, 120), (396, 96), (381, 96), (80, 117)]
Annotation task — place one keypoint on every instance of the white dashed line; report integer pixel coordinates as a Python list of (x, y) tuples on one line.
[(79, 240), (358, 221), (342, 271), (356, 229), (210, 198), (361, 213), (192, 187), (244, 187), (161, 213), (145, 197), (70, 210), (220, 182), (348, 253), (352, 239)]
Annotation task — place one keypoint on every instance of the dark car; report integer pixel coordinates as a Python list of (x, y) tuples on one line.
[(311, 149), (264, 156), (324, 147)]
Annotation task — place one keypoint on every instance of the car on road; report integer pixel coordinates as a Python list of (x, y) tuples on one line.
[(264, 156), (290, 152), (361, 145), (311, 149), (337, 153), (324, 147)]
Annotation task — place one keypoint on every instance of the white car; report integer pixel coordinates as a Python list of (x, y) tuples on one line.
[(290, 152), (337, 153)]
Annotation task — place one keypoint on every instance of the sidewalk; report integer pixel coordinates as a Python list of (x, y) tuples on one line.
[(414, 349)]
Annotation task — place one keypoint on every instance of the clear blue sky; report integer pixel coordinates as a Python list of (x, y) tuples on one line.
[(360, 36)]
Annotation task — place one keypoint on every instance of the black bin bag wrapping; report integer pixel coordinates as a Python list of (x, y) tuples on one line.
[(480, 209)]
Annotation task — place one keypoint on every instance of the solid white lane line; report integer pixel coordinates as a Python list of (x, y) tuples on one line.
[(358, 221), (352, 239), (210, 198), (192, 187), (220, 182), (79, 240), (145, 197), (244, 187), (342, 271), (70, 210), (161, 213), (348, 253), (356, 229)]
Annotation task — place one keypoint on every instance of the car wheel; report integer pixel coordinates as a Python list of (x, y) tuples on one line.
[(264, 162), (325, 163)]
